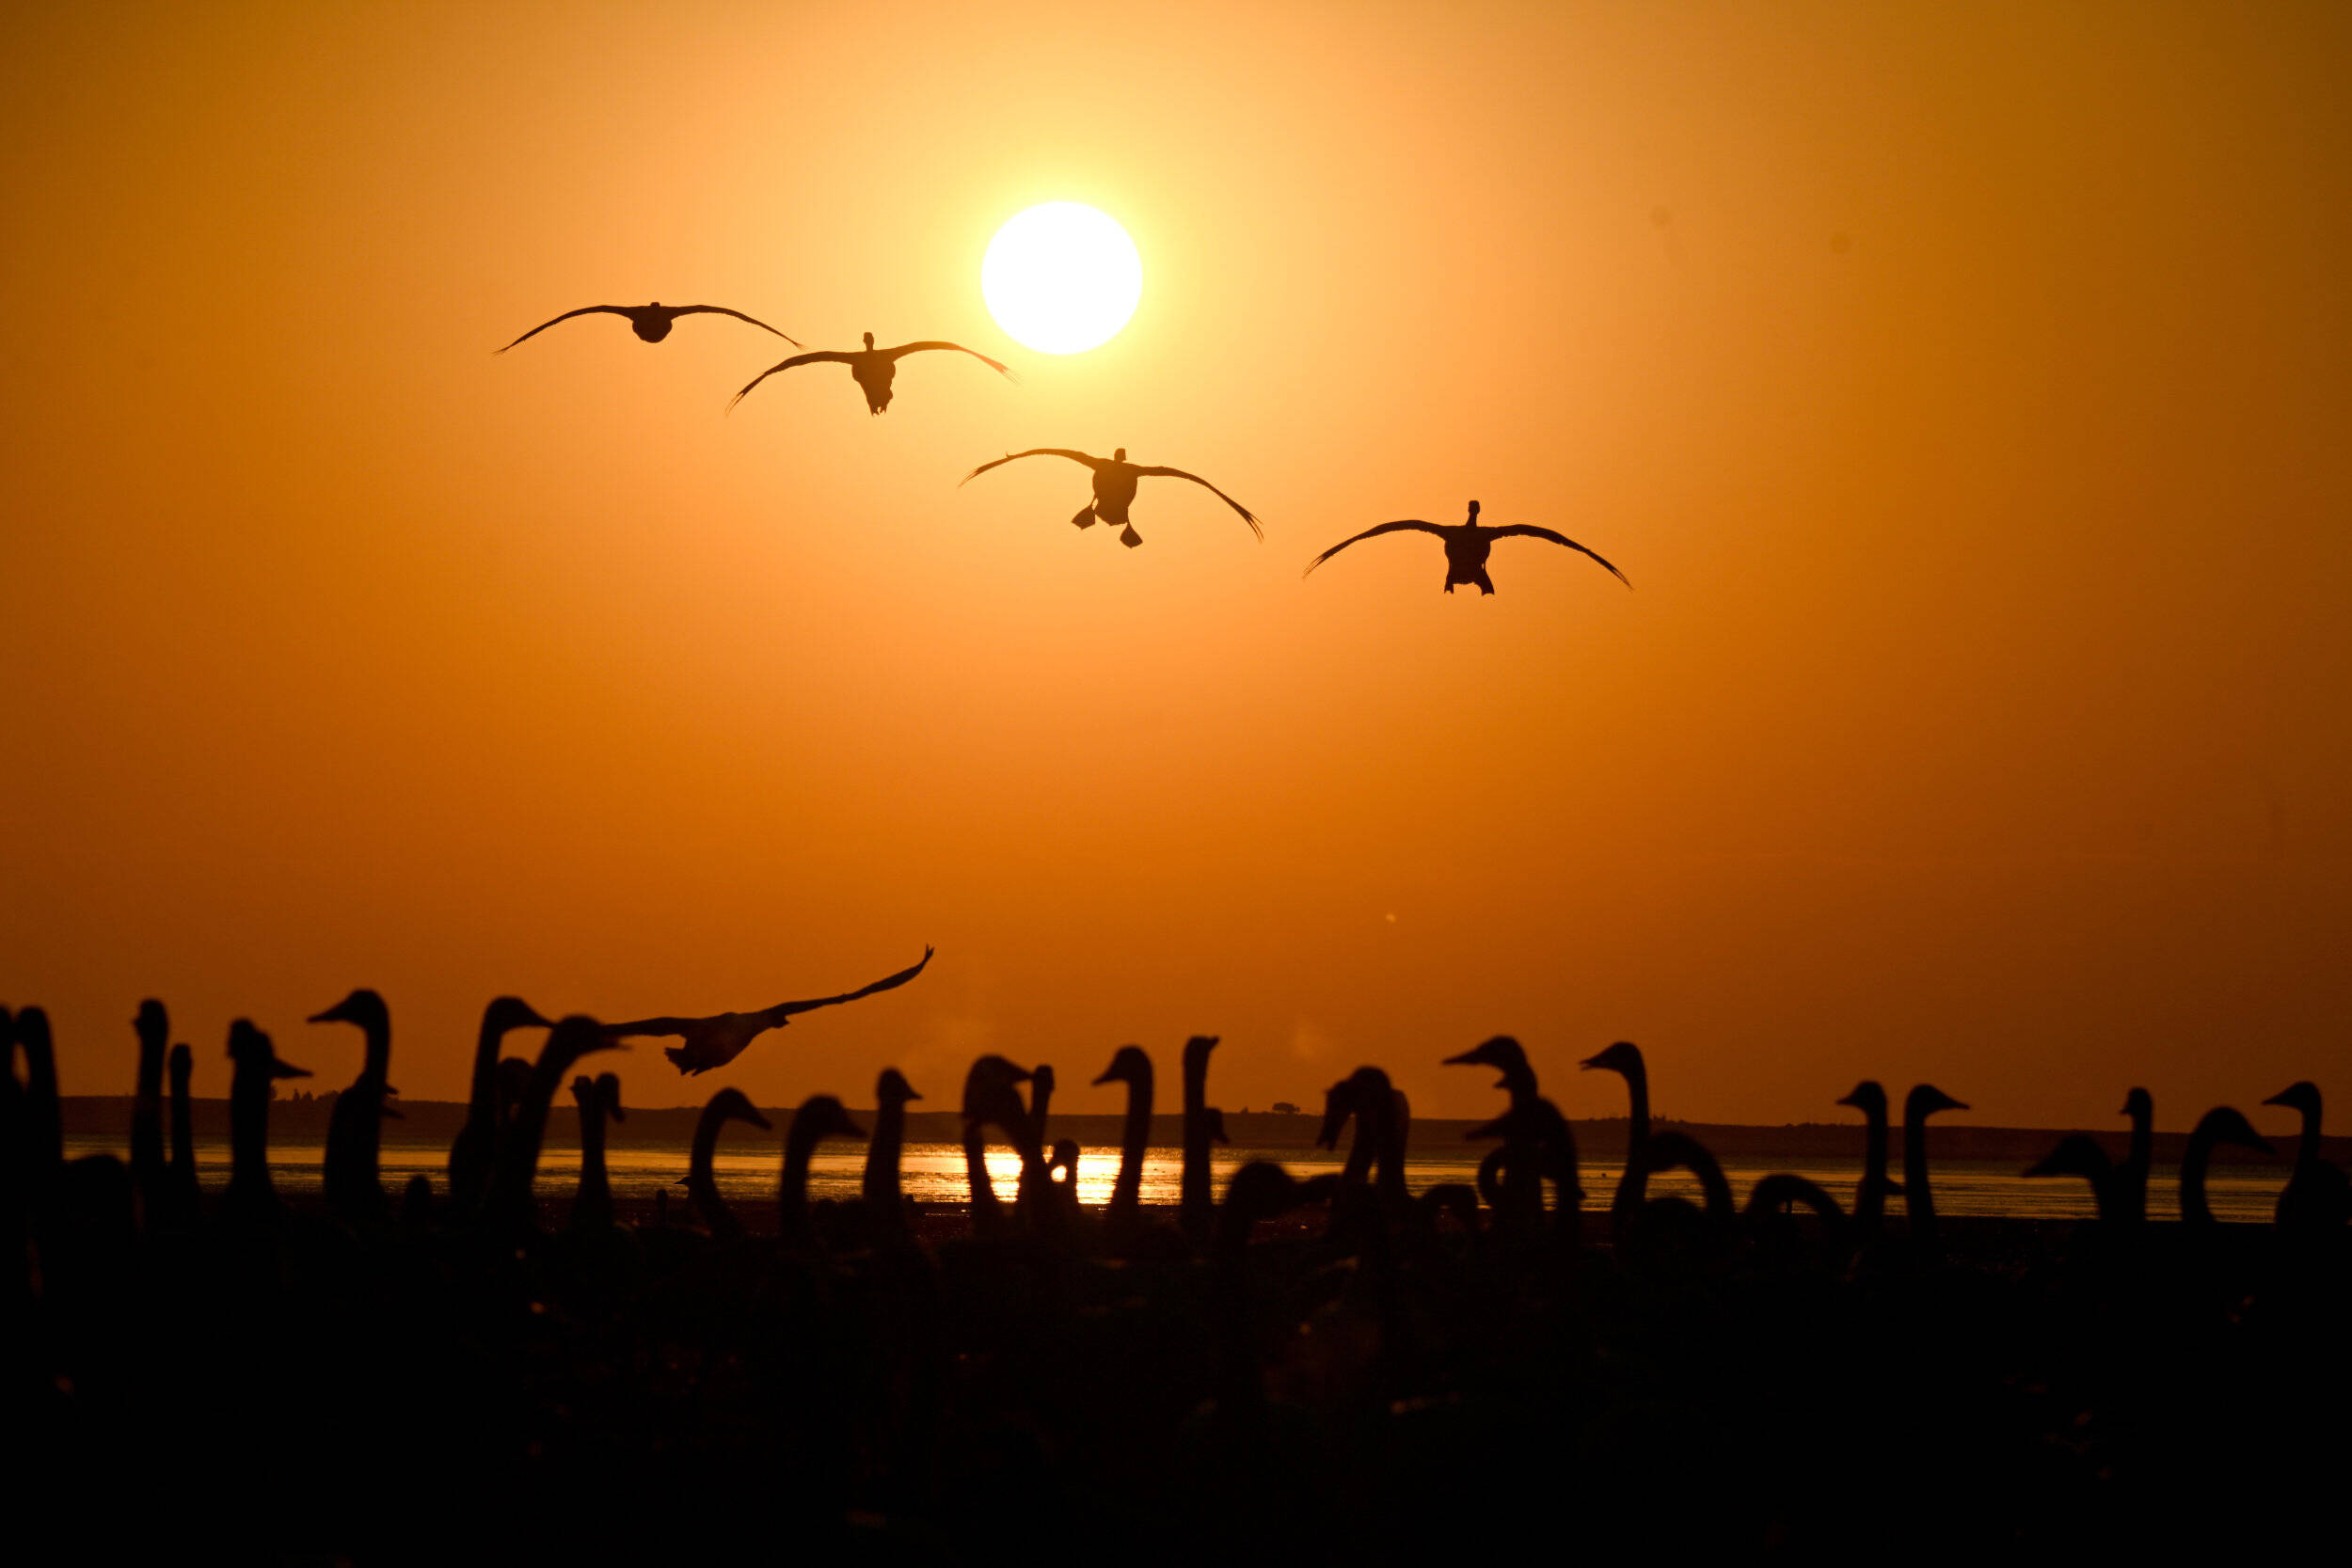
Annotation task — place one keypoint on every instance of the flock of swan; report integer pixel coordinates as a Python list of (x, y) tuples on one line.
[(1468, 543), (1336, 1364)]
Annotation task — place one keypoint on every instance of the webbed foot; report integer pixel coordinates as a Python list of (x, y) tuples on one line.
[(1085, 517), (1130, 537)]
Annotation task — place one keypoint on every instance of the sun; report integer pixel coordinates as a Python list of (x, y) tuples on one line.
[(1061, 278)]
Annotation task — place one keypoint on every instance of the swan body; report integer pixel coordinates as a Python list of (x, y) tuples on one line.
[(1115, 481)]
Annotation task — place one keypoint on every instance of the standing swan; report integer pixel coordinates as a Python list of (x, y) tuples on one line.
[(1467, 546), (153, 1026), (701, 1186), (1626, 1058), (251, 1195), (354, 1128), (2316, 1196), (820, 1117), (873, 368), (880, 1185), (1869, 1198), (1132, 1067), (597, 1099), (1196, 1205), (1115, 479), (1923, 1101), (475, 1153)]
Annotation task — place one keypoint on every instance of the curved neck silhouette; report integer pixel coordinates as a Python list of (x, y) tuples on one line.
[(880, 1186), (519, 1153), (598, 1097), (2220, 1125), (146, 1110), (988, 1213), (473, 1156), (251, 1195), (1665, 1150), (820, 1117), (1625, 1057), (183, 1189), (702, 1185), (2080, 1155), (1196, 1207), (354, 1128), (1869, 1198), (44, 1124), (1135, 1137), (1918, 1201), (2128, 1186)]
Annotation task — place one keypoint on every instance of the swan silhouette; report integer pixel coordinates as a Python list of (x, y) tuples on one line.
[(716, 1040), (1535, 1137), (1115, 481), (153, 1028), (519, 1151), (598, 1097), (474, 1153), (354, 1128), (1871, 1192), (1923, 1101), (256, 1067), (820, 1117), (2080, 1155), (2223, 1124), (183, 1204), (879, 1184), (1195, 1208), (701, 1186), (992, 1099), (1624, 1058), (2130, 1179), (1467, 546), (1132, 1067), (2316, 1195), (873, 368), (652, 321)]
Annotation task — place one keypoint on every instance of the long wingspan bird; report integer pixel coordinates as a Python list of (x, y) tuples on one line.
[(718, 1039), (1115, 481), (1467, 546), (652, 321), (873, 367)]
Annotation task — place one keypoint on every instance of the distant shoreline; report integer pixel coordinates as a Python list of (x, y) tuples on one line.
[(1599, 1140)]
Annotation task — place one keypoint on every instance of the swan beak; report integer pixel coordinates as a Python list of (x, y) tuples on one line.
[(287, 1070), (912, 1094), (2285, 1097)]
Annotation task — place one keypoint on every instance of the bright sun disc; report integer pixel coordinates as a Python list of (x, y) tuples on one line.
[(1061, 278)]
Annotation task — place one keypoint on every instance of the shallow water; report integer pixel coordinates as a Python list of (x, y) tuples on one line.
[(933, 1173)]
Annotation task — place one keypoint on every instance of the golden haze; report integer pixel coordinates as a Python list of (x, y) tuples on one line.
[(1965, 396)]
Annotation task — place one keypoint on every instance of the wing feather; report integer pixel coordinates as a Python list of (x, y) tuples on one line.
[(1529, 530), (821, 357), (583, 311), (782, 1010), (1033, 452), (722, 311), (1401, 525), (1003, 370), (1246, 515)]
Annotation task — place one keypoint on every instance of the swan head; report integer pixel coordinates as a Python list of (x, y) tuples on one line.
[(870, 340), (892, 1088), (1119, 455), (1197, 1051), (1129, 1065), (821, 1116), (250, 1048), (153, 1024), (1625, 1056), (733, 1104), (988, 1092), (362, 1007), (1215, 1120), (509, 1013), (1503, 1053), (2076, 1154), (1926, 1100), (1867, 1097), (602, 1092), (1042, 1080), (1339, 1103), (2303, 1097), (1473, 511), (2139, 1107), (2224, 1125)]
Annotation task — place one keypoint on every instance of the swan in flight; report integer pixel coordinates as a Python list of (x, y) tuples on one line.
[(1115, 488), (718, 1039), (652, 321), (871, 367), (1467, 546)]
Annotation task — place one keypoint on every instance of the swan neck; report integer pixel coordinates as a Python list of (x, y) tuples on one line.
[(880, 1184), (1135, 1145)]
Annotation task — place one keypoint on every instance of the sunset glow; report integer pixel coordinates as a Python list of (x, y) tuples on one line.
[(1061, 278)]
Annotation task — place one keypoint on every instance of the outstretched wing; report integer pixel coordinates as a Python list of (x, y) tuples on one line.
[(722, 311), (583, 311), (1005, 370), (1033, 452), (1529, 530), (1412, 524), (821, 357), (1246, 515), (782, 1010)]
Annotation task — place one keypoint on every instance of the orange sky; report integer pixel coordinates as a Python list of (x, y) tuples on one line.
[(1965, 396)]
